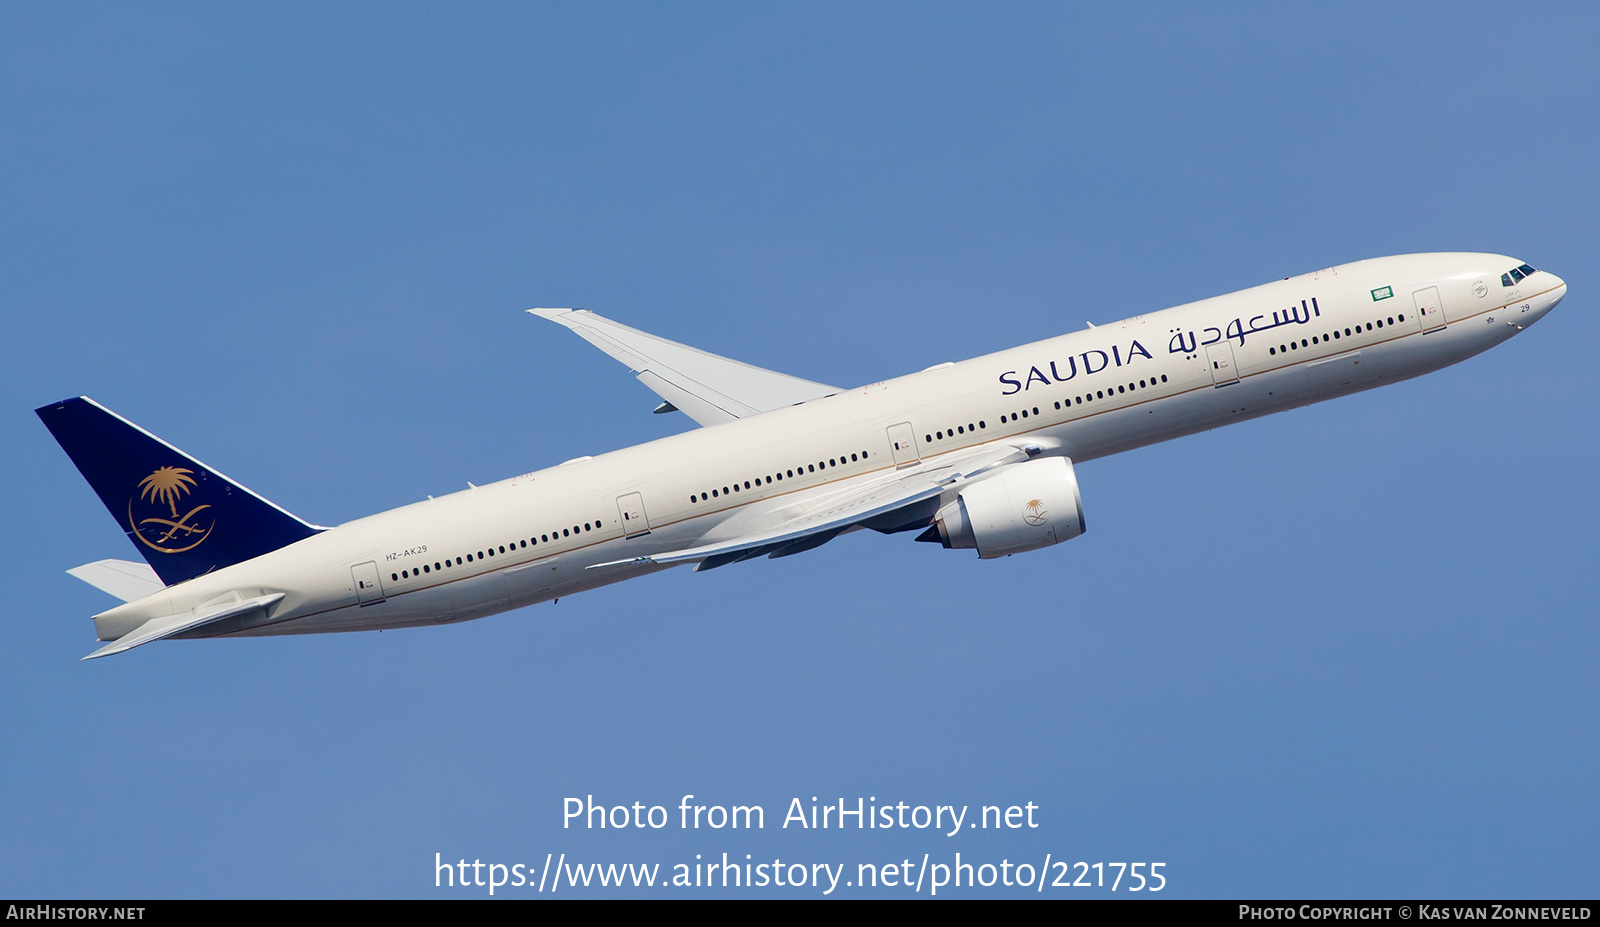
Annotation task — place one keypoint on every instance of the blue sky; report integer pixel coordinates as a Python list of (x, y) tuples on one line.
[(1341, 651)]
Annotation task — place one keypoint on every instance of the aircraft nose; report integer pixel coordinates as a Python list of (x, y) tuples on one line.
[(1557, 294), (1551, 290)]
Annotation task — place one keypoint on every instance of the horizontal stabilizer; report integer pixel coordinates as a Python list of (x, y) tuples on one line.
[(157, 628), (122, 578), (707, 387)]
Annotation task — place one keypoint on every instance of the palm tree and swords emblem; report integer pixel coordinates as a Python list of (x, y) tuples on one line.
[(166, 486)]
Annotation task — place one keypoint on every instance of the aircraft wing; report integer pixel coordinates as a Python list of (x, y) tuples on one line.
[(157, 628), (707, 387), (813, 520)]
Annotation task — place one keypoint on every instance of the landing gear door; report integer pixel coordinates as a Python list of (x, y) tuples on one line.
[(369, 589), (1220, 358), (1429, 308), (903, 442), (631, 508)]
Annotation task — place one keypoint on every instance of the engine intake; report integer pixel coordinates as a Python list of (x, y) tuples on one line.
[(1023, 507)]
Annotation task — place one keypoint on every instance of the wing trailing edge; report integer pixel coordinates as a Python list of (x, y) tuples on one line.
[(709, 388), (827, 516)]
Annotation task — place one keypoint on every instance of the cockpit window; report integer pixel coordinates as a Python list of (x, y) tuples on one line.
[(1517, 274)]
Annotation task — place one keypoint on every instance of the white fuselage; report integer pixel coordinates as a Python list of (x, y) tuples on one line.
[(1082, 395)]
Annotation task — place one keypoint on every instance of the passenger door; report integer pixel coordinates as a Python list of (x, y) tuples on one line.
[(369, 588), (903, 442), (1429, 308), (631, 508), (1220, 358)]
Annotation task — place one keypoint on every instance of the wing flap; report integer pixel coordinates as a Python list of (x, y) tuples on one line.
[(157, 628), (709, 388)]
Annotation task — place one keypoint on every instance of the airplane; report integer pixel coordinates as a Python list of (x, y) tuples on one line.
[(976, 455)]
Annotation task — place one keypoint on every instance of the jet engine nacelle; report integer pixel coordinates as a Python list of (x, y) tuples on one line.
[(1023, 507)]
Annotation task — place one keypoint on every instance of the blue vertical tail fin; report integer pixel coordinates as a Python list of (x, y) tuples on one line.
[(183, 516)]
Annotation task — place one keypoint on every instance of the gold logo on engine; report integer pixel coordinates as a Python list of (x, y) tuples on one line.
[(1034, 514), (166, 487)]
